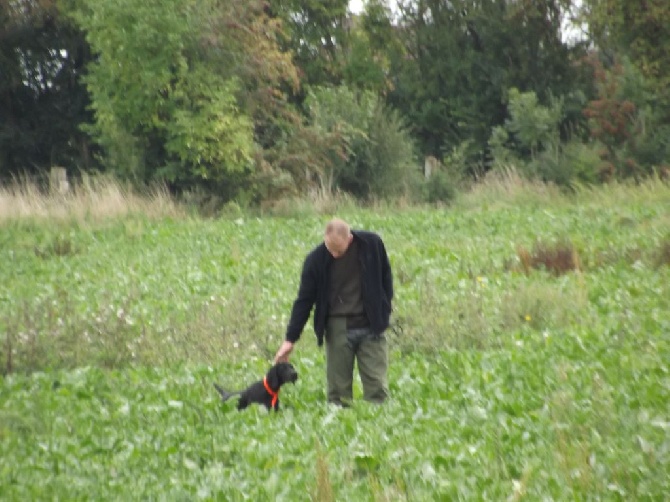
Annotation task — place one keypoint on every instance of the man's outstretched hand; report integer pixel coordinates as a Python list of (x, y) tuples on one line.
[(283, 352)]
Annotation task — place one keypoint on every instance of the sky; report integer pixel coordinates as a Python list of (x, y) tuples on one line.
[(571, 32), (356, 6)]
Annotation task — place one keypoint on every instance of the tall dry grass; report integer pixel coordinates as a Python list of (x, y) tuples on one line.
[(616, 193), (101, 197), (91, 198), (507, 187)]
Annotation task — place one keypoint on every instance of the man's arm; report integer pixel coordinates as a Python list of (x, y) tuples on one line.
[(387, 274), (302, 306)]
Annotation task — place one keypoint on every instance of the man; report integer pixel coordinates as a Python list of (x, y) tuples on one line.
[(348, 280)]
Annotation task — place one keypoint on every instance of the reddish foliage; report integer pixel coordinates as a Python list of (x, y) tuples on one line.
[(612, 120), (559, 258)]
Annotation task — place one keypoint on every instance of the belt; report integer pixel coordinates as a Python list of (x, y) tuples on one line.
[(359, 331)]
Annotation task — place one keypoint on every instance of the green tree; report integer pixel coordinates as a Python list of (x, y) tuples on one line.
[(463, 55), (625, 121), (374, 45), (534, 127), (639, 29), (318, 35), (199, 93), (530, 140), (158, 108), (42, 98)]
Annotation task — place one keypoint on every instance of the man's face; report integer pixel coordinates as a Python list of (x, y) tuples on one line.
[(337, 245)]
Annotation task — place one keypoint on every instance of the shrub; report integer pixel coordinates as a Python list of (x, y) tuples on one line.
[(59, 245), (388, 161), (557, 258), (569, 163), (379, 157), (663, 254), (441, 187), (530, 139), (533, 126), (626, 121)]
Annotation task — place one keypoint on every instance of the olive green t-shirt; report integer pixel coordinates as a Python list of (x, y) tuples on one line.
[(345, 297)]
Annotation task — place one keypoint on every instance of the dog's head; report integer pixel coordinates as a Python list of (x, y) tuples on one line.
[(280, 374)]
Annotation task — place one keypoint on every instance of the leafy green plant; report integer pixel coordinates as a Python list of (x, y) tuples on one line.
[(533, 126), (442, 186), (543, 306), (503, 384), (59, 245)]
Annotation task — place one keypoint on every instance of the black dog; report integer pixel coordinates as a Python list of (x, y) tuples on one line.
[(264, 391)]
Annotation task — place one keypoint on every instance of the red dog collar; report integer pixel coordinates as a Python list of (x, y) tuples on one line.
[(275, 395)]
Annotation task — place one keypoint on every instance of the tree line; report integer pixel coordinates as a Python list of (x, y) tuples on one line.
[(258, 99)]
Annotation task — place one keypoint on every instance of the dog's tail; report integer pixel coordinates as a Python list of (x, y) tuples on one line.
[(225, 395)]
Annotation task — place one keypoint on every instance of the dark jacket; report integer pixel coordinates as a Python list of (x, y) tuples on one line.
[(377, 285)]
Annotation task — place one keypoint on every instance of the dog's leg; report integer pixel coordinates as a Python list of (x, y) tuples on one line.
[(243, 402)]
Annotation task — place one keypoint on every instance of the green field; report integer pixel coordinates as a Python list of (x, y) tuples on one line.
[(510, 379)]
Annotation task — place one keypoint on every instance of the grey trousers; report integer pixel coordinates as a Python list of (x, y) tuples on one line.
[(370, 351)]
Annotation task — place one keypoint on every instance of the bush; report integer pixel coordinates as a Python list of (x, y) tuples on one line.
[(568, 163), (441, 187), (387, 159), (663, 254), (379, 159), (627, 119), (557, 258)]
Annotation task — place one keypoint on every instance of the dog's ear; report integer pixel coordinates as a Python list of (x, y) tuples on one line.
[(272, 377), (287, 373)]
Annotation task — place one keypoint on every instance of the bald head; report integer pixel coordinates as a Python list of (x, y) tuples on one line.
[(337, 237), (338, 227)]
